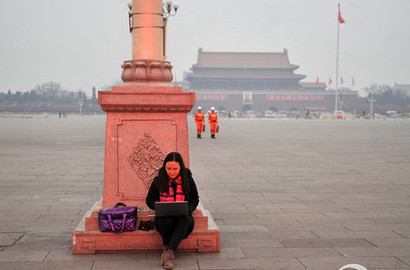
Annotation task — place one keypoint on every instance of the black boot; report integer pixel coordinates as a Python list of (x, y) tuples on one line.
[(213, 136), (198, 136)]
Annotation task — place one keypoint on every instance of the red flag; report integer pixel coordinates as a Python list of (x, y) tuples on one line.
[(330, 80), (341, 79), (317, 80), (340, 19), (353, 81)]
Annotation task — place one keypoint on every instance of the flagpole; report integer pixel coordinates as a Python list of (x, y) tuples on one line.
[(337, 63)]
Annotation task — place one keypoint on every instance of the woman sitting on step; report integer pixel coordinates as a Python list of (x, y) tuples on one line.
[(174, 183)]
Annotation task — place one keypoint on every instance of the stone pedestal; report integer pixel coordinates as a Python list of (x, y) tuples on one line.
[(144, 124)]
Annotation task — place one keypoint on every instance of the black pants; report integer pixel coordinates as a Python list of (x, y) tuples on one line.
[(174, 229)]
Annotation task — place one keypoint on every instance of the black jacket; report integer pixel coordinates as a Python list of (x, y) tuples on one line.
[(192, 198)]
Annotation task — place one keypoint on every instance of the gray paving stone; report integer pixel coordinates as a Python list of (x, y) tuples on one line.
[(232, 208), (242, 235), (8, 239), (13, 256), (390, 242), (280, 223), (392, 220), (405, 259), (266, 243), (27, 212), (282, 234), (264, 208), (286, 194), (243, 228), (66, 265), (52, 222), (321, 262), (310, 218), (11, 227), (405, 232), (134, 261), (329, 242), (375, 227), (120, 261), (374, 252), (43, 241), (297, 208), (345, 233), (349, 215), (254, 199), (260, 263), (226, 253), (289, 252), (228, 216), (60, 254)]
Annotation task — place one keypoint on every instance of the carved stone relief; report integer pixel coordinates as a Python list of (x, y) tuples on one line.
[(146, 158)]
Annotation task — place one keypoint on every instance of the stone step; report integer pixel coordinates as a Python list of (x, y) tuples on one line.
[(91, 242), (87, 239)]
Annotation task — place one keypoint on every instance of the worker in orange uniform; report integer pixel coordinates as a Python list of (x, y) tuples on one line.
[(200, 122), (213, 122)]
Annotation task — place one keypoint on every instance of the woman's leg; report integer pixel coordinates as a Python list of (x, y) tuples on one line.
[(180, 231), (166, 226)]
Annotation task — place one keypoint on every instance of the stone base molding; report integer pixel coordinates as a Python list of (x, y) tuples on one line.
[(146, 70)]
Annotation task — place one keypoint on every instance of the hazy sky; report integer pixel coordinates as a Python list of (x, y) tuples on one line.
[(82, 43)]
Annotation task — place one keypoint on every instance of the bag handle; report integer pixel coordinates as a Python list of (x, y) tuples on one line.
[(124, 216), (120, 204), (123, 204)]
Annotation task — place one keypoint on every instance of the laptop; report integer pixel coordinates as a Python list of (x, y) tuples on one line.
[(170, 209)]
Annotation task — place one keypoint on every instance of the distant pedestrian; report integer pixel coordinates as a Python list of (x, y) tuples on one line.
[(213, 122), (200, 122)]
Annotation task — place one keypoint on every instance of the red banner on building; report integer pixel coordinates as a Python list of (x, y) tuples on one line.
[(294, 97), (211, 97)]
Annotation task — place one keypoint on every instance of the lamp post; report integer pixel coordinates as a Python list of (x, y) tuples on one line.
[(169, 9), (147, 24), (146, 29), (372, 100)]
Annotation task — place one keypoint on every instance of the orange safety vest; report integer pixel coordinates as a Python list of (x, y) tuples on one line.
[(213, 118), (199, 117)]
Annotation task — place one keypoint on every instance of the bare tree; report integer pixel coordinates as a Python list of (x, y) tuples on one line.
[(49, 90), (52, 91)]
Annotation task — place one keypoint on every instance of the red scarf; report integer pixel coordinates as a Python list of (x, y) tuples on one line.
[(169, 197)]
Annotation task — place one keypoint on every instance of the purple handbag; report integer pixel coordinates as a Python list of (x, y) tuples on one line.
[(118, 219)]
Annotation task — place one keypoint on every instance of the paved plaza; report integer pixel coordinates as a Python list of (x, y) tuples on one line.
[(285, 194)]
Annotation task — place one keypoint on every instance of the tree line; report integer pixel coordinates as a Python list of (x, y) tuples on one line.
[(49, 92), (386, 95), (54, 92)]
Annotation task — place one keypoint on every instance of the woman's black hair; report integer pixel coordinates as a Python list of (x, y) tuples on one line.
[(163, 179)]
